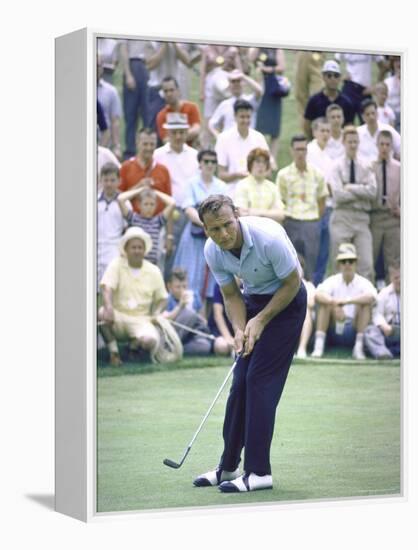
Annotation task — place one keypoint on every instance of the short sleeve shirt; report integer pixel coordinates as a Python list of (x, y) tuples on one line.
[(267, 257), (336, 287), (134, 292), (318, 103)]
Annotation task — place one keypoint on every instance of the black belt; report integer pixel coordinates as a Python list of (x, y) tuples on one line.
[(137, 59)]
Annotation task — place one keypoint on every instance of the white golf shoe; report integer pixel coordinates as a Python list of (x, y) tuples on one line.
[(215, 477), (245, 483)]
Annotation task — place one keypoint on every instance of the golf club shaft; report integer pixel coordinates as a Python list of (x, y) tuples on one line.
[(213, 403), (195, 331)]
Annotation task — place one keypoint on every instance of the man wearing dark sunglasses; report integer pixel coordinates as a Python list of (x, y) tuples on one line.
[(318, 103), (345, 301)]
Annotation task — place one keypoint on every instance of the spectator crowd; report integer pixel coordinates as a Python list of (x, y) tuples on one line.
[(161, 154)]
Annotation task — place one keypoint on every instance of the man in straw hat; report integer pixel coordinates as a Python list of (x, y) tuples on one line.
[(133, 291), (345, 301)]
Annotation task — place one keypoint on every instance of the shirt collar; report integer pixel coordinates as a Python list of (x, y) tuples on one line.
[(103, 198), (247, 239)]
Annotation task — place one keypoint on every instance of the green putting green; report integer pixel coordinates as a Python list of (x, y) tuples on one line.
[(337, 434)]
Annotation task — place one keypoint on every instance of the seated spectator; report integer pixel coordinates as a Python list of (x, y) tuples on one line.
[(303, 191), (189, 252), (307, 328), (174, 104), (255, 195), (223, 118), (383, 338), (133, 292), (110, 222), (234, 145), (385, 114), (220, 325), (353, 186), (318, 103), (147, 219), (345, 301), (183, 310), (369, 131)]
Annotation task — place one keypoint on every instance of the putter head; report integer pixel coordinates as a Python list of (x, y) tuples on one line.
[(171, 463)]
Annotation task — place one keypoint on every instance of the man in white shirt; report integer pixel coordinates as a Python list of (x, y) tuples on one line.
[(335, 117), (181, 161), (223, 118), (345, 302), (319, 156), (369, 131), (382, 339), (233, 146)]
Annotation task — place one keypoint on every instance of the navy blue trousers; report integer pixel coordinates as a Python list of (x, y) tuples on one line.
[(135, 103), (257, 386)]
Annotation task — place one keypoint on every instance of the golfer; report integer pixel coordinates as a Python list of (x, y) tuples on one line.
[(267, 320)]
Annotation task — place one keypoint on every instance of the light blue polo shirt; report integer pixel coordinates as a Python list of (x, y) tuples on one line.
[(267, 257)]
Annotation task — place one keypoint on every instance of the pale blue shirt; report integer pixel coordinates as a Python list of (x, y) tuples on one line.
[(267, 257)]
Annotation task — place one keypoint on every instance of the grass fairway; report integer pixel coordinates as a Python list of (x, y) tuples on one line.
[(337, 434)]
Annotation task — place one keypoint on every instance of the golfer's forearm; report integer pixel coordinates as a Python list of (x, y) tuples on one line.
[(281, 299), (235, 309)]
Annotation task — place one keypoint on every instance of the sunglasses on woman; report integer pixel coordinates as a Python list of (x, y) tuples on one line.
[(350, 261)]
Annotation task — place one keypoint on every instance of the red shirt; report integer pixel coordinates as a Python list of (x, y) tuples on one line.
[(131, 172), (186, 107)]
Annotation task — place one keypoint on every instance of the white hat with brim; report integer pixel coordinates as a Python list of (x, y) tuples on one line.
[(346, 251), (176, 121), (331, 66), (135, 233)]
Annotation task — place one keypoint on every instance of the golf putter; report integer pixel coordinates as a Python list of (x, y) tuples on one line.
[(176, 465)]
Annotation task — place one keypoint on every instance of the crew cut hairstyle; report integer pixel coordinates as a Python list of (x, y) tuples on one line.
[(108, 169), (366, 103), (318, 121), (386, 134), (242, 104), (298, 137), (213, 204), (208, 152), (146, 130), (350, 129), (170, 78), (178, 273)]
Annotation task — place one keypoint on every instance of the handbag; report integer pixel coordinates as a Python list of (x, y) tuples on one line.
[(277, 85)]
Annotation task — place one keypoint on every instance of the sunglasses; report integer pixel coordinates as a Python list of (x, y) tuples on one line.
[(350, 261), (209, 161), (332, 75)]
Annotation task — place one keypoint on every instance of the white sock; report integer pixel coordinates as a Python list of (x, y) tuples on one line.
[(359, 340), (319, 340), (113, 346)]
